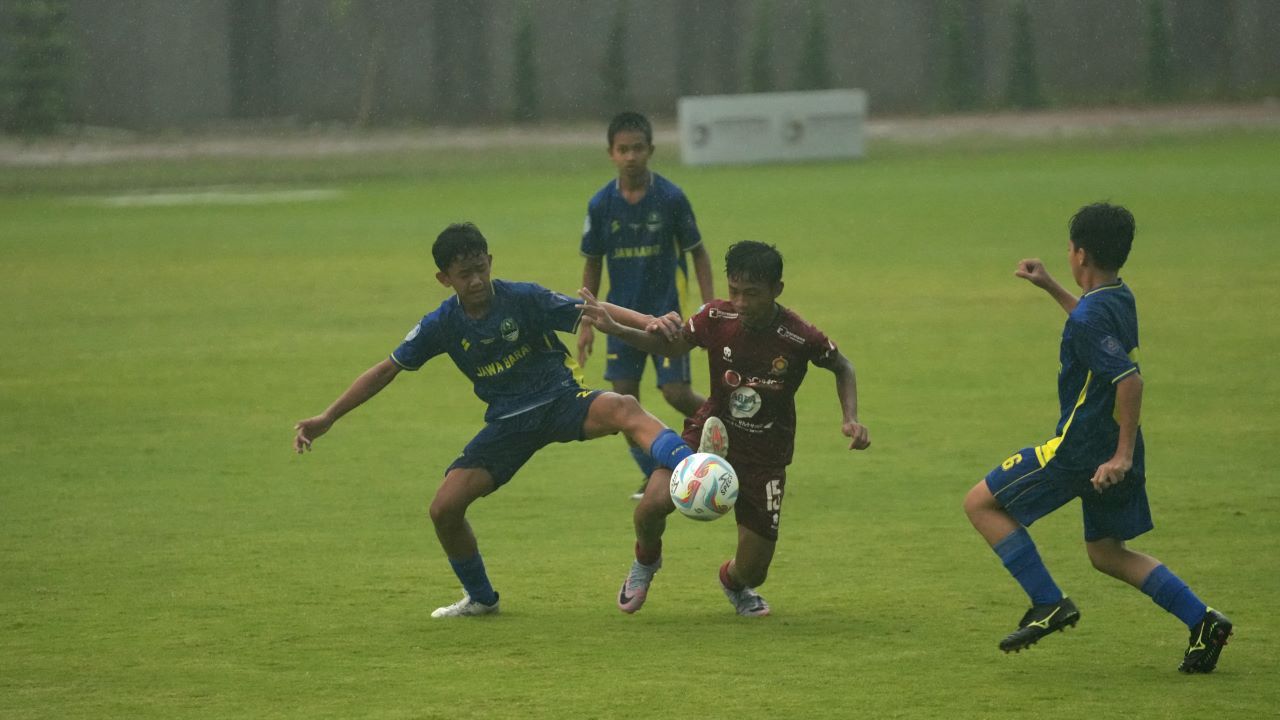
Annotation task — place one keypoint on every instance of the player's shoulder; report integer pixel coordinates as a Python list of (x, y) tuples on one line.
[(666, 188), (602, 196), (1103, 305), (791, 326)]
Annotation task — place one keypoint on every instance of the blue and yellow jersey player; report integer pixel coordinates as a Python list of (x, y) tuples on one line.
[(502, 336), (1096, 454), (641, 225)]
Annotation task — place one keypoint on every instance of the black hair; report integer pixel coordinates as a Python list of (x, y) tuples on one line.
[(459, 241), (630, 121), (1105, 232), (751, 260)]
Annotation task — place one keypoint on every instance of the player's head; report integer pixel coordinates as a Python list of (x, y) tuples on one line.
[(630, 122), (1101, 236), (462, 254), (630, 144), (754, 272)]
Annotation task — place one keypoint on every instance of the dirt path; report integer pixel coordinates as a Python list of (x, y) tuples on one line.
[(96, 146)]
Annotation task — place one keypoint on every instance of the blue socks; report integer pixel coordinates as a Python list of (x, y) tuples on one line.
[(1169, 592), (474, 579), (646, 463), (669, 449), (1022, 560)]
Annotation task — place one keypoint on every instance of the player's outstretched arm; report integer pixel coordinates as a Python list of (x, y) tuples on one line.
[(627, 325), (1033, 271), (1128, 413), (369, 383), (847, 391)]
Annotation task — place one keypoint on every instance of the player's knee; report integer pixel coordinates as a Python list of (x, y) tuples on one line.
[(977, 499), (445, 511)]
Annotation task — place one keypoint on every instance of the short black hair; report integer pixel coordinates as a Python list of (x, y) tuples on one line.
[(458, 242), (630, 121), (752, 260), (1105, 232)]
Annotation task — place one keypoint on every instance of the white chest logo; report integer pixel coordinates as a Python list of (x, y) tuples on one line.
[(744, 402), (728, 354)]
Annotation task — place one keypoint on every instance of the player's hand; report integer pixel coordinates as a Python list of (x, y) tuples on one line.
[(1033, 270), (586, 341), (859, 439), (668, 326), (592, 310), (1111, 473), (308, 431)]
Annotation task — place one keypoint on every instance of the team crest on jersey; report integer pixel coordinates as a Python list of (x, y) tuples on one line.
[(779, 366), (744, 402), (510, 332), (654, 223), (1112, 346)]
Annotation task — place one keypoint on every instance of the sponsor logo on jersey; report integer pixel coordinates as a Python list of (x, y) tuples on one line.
[(788, 335), (614, 227), (728, 354), (744, 402), (716, 313), (732, 378)]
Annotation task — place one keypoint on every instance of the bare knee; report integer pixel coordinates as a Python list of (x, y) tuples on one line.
[(978, 499)]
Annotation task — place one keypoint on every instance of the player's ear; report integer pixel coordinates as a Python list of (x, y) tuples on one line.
[(443, 278), (777, 289)]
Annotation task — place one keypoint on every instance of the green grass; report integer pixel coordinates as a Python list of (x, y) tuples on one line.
[(164, 555)]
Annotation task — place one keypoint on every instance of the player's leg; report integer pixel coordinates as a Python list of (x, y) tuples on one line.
[(758, 512), (613, 413), (650, 519), (487, 462), (1011, 497), (1123, 512), (461, 487), (674, 376), (624, 367), (747, 571)]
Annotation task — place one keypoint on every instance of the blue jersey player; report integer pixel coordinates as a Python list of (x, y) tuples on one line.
[(1096, 455), (502, 336), (641, 225)]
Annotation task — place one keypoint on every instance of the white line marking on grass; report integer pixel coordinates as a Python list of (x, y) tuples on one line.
[(215, 197)]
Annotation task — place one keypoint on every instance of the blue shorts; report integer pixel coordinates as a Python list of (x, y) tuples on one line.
[(627, 363), (504, 446), (1029, 490)]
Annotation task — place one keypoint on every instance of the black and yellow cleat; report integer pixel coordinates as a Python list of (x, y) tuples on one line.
[(1039, 621), (1207, 639)]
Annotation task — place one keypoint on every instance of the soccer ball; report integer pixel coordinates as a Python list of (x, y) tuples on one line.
[(704, 486)]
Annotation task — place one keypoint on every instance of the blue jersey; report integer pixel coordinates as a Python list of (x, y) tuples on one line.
[(643, 244), (1099, 349), (512, 355)]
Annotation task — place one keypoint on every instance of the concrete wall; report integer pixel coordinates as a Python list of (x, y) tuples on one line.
[(156, 63)]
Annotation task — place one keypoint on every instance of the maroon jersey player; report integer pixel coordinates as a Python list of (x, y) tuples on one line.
[(759, 353)]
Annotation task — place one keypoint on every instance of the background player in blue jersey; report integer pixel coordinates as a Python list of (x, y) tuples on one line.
[(1096, 455), (502, 336), (641, 225)]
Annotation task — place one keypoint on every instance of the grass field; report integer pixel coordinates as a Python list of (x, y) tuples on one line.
[(164, 555)]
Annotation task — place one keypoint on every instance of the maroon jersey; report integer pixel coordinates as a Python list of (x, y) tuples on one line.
[(755, 373)]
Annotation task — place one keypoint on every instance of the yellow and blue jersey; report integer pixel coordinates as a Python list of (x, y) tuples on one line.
[(643, 244), (1099, 349), (512, 355)]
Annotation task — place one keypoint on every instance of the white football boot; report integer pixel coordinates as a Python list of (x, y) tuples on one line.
[(715, 437), (466, 607)]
